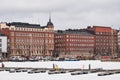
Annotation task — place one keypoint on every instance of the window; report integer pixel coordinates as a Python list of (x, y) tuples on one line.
[(12, 33), (67, 36), (67, 39), (12, 28)]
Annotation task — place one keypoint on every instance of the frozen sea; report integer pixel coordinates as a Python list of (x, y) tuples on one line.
[(4, 75)]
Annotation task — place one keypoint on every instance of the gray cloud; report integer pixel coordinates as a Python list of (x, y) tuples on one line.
[(65, 13)]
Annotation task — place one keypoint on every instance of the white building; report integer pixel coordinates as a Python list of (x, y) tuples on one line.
[(3, 45)]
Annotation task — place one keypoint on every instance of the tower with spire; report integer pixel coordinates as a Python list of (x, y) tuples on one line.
[(50, 24)]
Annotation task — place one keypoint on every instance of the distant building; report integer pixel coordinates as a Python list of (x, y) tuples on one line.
[(3, 46), (93, 41), (74, 43), (105, 40), (29, 39)]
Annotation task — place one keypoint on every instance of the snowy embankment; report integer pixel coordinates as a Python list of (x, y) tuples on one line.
[(66, 64)]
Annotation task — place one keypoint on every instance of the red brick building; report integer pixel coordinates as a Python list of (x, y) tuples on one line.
[(105, 40), (29, 39), (34, 40), (73, 43)]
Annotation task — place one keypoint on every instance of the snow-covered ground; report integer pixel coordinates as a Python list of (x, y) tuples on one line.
[(65, 64)]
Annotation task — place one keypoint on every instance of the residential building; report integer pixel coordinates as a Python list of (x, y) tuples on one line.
[(105, 40), (74, 43), (29, 39)]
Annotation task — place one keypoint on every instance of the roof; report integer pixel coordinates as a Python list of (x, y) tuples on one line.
[(101, 27), (20, 24), (75, 31), (49, 23)]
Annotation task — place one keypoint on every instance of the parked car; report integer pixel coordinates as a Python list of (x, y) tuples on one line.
[(17, 58)]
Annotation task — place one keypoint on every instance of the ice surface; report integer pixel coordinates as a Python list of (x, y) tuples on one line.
[(65, 64)]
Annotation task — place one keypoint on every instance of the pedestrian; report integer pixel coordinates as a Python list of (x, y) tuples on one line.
[(3, 65), (54, 66), (89, 67)]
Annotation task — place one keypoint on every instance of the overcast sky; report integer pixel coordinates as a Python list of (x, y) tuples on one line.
[(65, 13)]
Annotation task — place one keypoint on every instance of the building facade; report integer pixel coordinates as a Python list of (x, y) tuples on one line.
[(74, 43), (3, 46), (29, 39), (119, 42), (105, 40)]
